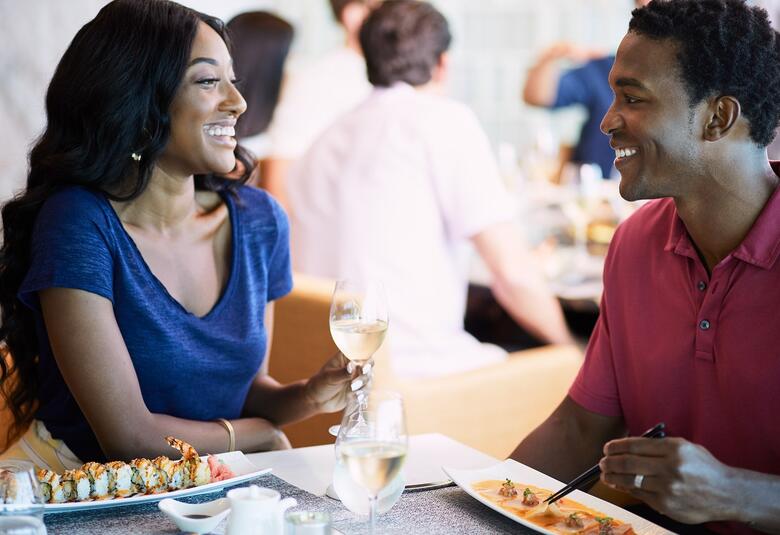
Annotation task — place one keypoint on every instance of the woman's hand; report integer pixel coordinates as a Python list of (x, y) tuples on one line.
[(327, 390)]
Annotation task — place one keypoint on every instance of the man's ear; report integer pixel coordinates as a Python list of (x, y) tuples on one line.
[(722, 114), (442, 68)]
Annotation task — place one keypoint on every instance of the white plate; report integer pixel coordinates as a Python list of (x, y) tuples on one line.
[(523, 474), (235, 460)]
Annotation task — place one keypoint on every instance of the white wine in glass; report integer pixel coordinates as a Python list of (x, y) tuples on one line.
[(358, 319), (372, 445), (356, 339)]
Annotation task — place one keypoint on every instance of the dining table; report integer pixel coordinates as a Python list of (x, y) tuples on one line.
[(305, 473)]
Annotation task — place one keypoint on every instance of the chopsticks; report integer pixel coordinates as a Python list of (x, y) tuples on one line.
[(588, 476)]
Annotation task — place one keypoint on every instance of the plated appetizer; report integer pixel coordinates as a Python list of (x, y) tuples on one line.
[(117, 479), (564, 516)]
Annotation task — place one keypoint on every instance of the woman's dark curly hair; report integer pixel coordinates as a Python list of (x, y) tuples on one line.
[(726, 48), (109, 98)]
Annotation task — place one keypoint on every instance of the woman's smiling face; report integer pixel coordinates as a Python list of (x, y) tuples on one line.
[(204, 111)]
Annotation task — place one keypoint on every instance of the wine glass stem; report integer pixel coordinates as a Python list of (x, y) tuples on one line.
[(372, 513)]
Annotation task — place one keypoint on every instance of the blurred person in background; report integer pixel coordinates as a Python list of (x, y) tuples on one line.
[(586, 85), (314, 96), (688, 328), (260, 43), (396, 188), (136, 280)]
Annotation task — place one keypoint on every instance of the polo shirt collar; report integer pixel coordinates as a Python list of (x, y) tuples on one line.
[(760, 247)]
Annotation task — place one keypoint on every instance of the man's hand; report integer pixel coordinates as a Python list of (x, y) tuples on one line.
[(327, 390), (679, 479)]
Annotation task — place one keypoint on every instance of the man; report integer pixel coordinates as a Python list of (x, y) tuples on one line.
[(688, 332), (314, 96), (395, 188), (586, 85)]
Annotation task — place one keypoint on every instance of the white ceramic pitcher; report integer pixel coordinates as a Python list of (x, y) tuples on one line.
[(256, 511)]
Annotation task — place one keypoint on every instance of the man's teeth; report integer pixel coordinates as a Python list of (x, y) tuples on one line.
[(624, 153), (220, 130)]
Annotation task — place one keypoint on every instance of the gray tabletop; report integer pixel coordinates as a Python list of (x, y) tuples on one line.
[(447, 510)]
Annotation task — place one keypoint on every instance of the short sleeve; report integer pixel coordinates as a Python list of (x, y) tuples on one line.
[(572, 89), (595, 387), (471, 195), (71, 247), (279, 270)]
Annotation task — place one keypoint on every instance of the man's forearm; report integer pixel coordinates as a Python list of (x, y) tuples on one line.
[(756, 499)]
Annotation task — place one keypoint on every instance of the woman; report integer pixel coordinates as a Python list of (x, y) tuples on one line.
[(261, 42), (135, 281)]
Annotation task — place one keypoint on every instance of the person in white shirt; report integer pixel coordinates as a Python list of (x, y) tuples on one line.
[(314, 96), (394, 189)]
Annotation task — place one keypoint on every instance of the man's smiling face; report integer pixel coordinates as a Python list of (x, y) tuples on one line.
[(651, 124)]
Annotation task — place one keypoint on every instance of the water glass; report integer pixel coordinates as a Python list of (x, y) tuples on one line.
[(307, 523), (21, 502)]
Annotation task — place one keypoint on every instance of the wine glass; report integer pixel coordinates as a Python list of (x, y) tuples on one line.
[(358, 323), (372, 445), (21, 501)]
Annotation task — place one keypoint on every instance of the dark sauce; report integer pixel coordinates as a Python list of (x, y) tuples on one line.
[(197, 517)]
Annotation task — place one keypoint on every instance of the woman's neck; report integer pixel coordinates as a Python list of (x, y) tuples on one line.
[(165, 206)]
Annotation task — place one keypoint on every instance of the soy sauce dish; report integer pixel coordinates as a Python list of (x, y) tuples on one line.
[(195, 517)]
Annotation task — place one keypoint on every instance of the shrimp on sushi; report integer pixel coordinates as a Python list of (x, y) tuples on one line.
[(199, 472)]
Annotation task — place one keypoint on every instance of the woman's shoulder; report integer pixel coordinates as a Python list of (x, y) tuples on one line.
[(75, 205), (259, 206)]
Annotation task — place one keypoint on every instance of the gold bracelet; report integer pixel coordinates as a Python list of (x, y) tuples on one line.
[(231, 433)]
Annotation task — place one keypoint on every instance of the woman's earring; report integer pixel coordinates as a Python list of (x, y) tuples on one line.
[(135, 156)]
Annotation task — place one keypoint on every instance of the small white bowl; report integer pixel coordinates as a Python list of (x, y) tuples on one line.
[(182, 514)]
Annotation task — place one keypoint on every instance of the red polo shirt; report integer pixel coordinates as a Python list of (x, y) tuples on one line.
[(699, 352)]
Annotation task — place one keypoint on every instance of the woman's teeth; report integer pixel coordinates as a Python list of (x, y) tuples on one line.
[(625, 153), (220, 130)]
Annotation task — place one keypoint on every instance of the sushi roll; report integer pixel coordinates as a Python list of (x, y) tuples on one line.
[(120, 479), (201, 472), (75, 484), (51, 486), (198, 471), (98, 479), (170, 473), (145, 477)]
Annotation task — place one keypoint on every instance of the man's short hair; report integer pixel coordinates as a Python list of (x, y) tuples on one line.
[(403, 41), (725, 48)]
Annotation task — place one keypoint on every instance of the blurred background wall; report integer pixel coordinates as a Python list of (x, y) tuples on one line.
[(495, 42)]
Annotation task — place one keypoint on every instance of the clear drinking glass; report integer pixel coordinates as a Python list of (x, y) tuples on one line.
[(358, 324), (21, 501), (372, 444), (307, 523)]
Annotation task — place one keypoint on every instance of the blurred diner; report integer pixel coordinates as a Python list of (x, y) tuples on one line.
[(314, 95), (260, 44), (395, 188)]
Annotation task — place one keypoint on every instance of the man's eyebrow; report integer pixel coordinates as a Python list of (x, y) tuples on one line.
[(629, 82)]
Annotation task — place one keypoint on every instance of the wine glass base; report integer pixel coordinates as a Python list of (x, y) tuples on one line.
[(330, 492)]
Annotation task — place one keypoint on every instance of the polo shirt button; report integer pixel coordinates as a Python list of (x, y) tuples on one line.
[(702, 286), (704, 325)]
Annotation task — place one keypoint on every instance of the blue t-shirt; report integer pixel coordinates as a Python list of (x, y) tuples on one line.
[(588, 85), (198, 368)]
